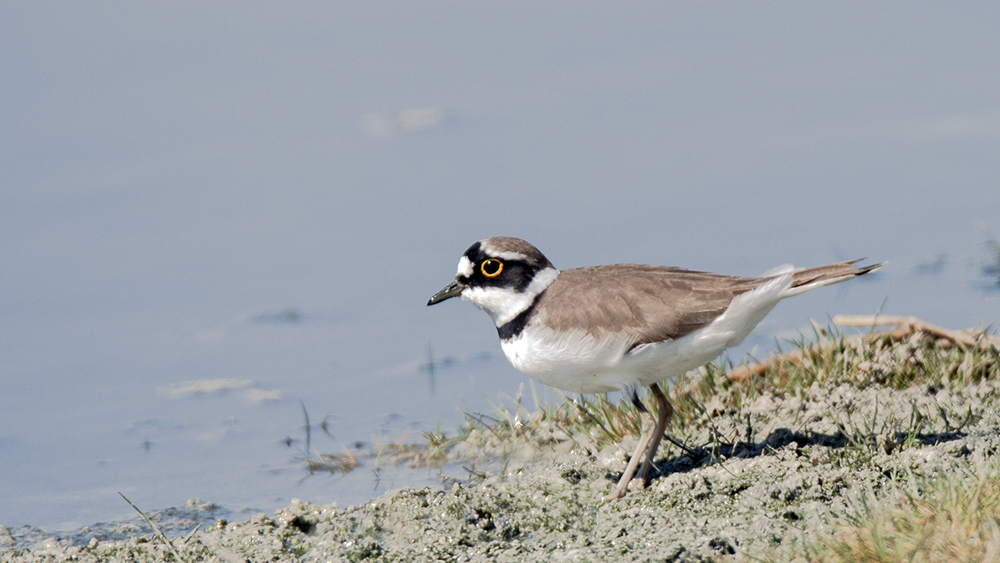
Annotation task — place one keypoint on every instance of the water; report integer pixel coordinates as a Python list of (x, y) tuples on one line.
[(266, 196)]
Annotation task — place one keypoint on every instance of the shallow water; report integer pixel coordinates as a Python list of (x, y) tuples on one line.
[(265, 198)]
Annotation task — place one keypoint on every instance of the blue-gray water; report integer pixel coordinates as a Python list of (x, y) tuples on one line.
[(267, 194)]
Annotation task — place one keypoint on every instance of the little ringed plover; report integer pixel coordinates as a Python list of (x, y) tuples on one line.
[(620, 327)]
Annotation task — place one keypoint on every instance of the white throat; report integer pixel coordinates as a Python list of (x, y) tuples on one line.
[(504, 303)]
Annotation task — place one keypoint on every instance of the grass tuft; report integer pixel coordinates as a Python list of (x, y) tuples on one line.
[(721, 412), (943, 517)]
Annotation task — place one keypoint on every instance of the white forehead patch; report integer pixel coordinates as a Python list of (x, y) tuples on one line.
[(494, 252), (509, 255), (504, 254), (465, 267)]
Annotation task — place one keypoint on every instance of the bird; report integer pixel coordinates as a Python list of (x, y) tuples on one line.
[(620, 327)]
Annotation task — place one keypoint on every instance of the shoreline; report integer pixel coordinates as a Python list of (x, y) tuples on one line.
[(774, 470)]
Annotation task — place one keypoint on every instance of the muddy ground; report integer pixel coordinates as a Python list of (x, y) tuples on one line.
[(763, 478)]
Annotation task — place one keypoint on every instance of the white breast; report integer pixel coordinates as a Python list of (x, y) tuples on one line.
[(581, 363), (570, 360)]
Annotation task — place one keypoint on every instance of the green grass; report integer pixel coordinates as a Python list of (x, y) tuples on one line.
[(944, 517), (940, 517), (947, 515), (707, 397)]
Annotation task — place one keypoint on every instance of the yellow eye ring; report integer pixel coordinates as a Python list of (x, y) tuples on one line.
[(491, 268)]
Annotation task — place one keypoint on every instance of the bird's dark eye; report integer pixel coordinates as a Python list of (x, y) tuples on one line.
[(491, 268)]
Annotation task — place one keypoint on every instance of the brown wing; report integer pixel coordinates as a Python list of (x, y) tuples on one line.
[(650, 303)]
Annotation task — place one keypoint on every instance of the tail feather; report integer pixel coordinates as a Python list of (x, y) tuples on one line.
[(811, 278)]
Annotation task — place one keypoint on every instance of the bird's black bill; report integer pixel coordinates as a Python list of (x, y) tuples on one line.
[(453, 290)]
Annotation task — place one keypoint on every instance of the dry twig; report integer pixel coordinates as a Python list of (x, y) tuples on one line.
[(906, 327), (155, 528)]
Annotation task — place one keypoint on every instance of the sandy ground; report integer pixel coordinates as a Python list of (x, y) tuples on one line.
[(783, 468)]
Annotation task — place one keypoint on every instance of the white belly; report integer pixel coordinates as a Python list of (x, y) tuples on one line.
[(573, 361), (581, 363)]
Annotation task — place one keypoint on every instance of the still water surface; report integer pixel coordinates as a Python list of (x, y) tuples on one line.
[(261, 199)]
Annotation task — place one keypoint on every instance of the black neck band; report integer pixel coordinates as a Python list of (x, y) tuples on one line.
[(515, 326)]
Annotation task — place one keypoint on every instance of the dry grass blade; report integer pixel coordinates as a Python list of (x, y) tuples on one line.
[(911, 325), (906, 327), (331, 463), (948, 517), (159, 534)]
